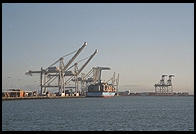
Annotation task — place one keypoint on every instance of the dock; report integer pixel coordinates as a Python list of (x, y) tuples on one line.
[(40, 97)]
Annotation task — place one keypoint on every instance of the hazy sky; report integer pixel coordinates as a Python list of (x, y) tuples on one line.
[(139, 41)]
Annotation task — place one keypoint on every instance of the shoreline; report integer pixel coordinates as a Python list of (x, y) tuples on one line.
[(39, 97), (63, 97)]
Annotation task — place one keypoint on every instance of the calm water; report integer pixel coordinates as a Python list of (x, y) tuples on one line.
[(130, 113)]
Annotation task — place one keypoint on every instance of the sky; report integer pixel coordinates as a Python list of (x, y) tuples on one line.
[(139, 41)]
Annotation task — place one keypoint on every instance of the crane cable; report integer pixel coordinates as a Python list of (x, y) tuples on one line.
[(62, 57), (78, 62)]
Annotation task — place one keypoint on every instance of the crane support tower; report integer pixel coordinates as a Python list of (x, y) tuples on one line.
[(164, 87)]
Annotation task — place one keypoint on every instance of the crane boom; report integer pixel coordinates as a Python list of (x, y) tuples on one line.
[(82, 66), (30, 72), (73, 58), (61, 57), (87, 62)]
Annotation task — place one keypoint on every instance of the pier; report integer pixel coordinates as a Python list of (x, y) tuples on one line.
[(40, 97)]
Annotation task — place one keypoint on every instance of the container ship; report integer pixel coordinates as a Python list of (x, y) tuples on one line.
[(101, 90)]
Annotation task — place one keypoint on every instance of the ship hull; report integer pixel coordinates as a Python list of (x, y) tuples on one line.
[(100, 94)]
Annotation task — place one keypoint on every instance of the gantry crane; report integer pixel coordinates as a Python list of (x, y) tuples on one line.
[(162, 87), (48, 75)]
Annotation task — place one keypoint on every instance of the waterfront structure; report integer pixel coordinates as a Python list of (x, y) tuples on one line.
[(164, 88), (61, 74)]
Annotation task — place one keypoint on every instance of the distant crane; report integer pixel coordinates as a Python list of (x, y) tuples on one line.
[(164, 88), (169, 84)]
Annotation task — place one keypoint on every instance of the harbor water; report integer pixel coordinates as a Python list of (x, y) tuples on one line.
[(119, 113)]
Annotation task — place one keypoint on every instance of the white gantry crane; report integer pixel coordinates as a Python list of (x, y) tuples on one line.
[(52, 73)]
